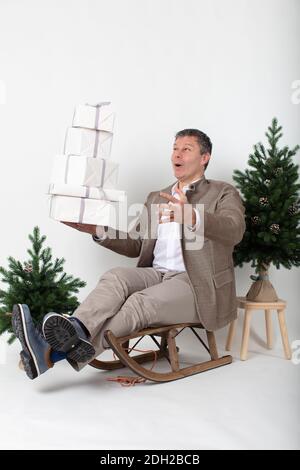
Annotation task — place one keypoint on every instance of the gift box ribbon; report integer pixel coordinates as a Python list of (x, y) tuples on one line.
[(102, 172), (97, 106), (82, 206)]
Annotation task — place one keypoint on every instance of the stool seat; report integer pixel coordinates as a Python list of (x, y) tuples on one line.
[(248, 306), (243, 302)]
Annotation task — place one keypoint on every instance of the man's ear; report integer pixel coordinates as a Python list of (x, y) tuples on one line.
[(205, 158)]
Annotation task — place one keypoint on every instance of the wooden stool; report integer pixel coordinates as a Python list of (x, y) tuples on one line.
[(249, 306)]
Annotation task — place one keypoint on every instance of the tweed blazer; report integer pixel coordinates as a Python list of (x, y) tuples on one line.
[(207, 258)]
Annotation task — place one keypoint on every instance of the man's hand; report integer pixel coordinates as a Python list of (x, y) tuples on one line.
[(87, 228), (177, 210)]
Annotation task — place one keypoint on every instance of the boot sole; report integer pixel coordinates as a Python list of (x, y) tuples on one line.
[(61, 335), (28, 358)]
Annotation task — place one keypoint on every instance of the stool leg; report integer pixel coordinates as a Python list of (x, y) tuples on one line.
[(230, 335), (246, 331), (284, 334), (269, 328)]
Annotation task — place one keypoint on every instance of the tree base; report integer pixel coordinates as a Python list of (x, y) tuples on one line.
[(262, 291)]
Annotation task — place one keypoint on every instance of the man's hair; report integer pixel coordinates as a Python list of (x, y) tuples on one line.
[(202, 139)]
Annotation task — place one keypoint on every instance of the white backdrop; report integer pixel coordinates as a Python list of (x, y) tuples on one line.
[(226, 67)]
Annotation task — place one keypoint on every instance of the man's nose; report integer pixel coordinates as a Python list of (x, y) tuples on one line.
[(178, 155)]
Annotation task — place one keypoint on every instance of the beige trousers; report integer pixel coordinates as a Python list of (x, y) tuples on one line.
[(129, 299)]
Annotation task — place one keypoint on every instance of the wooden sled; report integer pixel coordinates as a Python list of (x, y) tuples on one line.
[(166, 348)]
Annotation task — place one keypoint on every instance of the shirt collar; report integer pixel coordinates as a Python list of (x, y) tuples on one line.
[(186, 187)]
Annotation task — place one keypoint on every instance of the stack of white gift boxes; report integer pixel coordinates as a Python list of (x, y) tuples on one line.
[(84, 178)]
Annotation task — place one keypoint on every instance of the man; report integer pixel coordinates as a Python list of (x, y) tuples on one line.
[(176, 280)]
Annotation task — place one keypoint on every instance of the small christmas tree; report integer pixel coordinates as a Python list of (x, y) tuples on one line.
[(35, 283), (271, 197)]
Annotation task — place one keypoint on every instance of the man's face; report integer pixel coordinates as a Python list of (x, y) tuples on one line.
[(187, 161)]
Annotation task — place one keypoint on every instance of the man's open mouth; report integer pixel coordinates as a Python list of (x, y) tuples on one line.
[(178, 164)]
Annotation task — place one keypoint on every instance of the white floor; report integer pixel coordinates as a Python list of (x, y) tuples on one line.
[(252, 404)]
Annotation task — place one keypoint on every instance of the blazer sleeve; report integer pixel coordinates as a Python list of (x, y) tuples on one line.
[(227, 223), (127, 243)]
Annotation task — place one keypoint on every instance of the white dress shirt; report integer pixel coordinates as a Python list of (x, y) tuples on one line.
[(167, 251)]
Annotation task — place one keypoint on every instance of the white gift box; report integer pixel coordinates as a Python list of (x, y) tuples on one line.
[(84, 171), (88, 192), (83, 210), (100, 116), (88, 143)]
